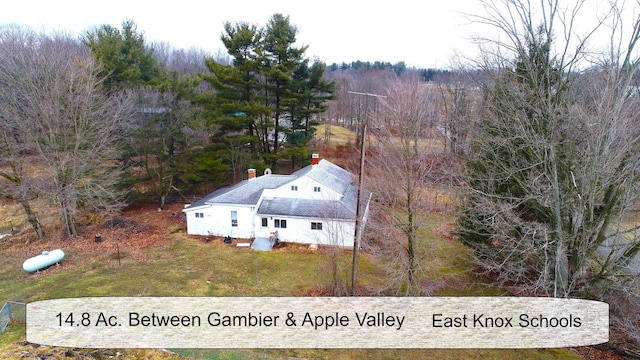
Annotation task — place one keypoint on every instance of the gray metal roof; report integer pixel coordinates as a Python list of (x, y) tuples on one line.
[(305, 208), (328, 174), (245, 192), (322, 209)]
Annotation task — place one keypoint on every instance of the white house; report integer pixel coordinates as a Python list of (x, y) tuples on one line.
[(314, 205)]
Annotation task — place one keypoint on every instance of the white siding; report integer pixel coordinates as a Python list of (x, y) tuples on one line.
[(217, 221), (197, 225), (298, 230), (305, 190)]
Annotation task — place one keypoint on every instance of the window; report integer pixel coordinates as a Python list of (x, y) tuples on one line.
[(264, 222), (280, 223), (294, 187), (199, 215), (234, 219), (316, 226), (316, 189)]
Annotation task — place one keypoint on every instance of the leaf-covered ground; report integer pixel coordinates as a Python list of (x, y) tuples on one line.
[(148, 247)]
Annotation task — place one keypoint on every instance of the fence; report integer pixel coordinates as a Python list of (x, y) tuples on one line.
[(191, 198), (178, 198), (12, 311)]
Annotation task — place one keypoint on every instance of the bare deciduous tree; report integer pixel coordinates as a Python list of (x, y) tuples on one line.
[(458, 106), (17, 183), (554, 160), (58, 109), (330, 233), (399, 171)]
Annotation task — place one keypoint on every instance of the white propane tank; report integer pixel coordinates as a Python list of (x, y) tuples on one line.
[(43, 260)]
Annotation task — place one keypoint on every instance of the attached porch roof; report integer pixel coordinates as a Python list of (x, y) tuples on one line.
[(344, 209)]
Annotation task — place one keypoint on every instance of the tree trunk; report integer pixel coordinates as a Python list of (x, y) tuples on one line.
[(69, 221), (411, 238), (32, 218)]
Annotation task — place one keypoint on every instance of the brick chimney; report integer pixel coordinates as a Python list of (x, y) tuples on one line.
[(315, 158), (251, 173)]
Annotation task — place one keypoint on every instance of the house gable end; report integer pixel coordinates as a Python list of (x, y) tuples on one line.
[(328, 175)]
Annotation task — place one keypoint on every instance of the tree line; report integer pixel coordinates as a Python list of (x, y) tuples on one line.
[(92, 123), (364, 66), (400, 68)]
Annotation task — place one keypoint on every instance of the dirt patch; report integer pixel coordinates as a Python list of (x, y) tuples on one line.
[(286, 247), (136, 229), (280, 247), (593, 353), (327, 291), (142, 226), (27, 350), (430, 288)]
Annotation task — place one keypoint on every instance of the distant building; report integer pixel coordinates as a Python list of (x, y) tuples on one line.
[(314, 205)]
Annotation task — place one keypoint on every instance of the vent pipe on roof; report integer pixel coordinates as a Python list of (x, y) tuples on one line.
[(251, 173), (315, 158)]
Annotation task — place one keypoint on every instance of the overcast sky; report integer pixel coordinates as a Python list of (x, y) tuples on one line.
[(422, 34)]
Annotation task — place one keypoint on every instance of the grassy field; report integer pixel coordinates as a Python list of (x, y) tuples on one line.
[(181, 265), (338, 135), (163, 261)]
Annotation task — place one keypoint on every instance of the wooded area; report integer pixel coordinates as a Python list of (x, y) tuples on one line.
[(537, 141)]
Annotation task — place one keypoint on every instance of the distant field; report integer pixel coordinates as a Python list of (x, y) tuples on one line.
[(340, 135), (337, 135)]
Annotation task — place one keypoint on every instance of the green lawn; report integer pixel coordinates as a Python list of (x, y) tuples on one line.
[(185, 266)]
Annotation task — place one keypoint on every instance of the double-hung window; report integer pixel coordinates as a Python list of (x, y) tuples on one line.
[(280, 223), (234, 219), (316, 225)]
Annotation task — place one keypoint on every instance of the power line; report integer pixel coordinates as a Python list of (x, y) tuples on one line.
[(358, 232)]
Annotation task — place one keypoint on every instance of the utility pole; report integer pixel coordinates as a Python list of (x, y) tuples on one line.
[(358, 232)]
